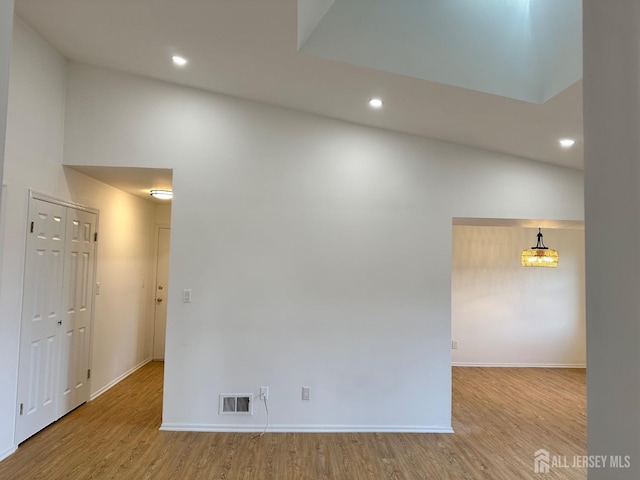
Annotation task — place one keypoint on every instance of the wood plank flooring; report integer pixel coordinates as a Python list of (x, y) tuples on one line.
[(501, 417)]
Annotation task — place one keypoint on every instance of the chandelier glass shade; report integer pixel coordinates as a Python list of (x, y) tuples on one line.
[(540, 256)]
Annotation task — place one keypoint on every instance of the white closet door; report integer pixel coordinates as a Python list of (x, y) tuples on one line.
[(57, 307), (77, 296), (42, 316)]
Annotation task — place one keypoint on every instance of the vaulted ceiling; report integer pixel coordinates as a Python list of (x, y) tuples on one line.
[(528, 50), (502, 75)]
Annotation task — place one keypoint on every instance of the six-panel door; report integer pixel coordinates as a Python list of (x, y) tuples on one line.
[(56, 315), (78, 301)]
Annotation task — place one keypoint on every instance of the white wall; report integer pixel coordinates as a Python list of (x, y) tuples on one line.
[(33, 160), (7, 404), (163, 215), (612, 204), (503, 314), (318, 252), (6, 29)]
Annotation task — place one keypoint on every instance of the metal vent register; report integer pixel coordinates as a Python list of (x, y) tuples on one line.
[(236, 404)]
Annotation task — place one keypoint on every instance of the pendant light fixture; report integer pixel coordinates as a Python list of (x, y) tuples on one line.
[(540, 256)]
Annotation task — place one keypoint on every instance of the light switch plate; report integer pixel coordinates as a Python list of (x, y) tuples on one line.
[(186, 295)]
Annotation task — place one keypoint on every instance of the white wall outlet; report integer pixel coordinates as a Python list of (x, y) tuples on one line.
[(454, 344), (186, 295), (264, 393), (306, 393)]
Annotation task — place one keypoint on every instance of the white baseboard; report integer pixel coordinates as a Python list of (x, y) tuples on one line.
[(192, 427), (119, 379), (520, 365), (7, 452)]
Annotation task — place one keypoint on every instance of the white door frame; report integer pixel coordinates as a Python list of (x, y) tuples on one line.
[(33, 195), (156, 248)]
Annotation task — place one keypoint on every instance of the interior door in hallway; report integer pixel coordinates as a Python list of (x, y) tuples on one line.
[(161, 293), (78, 304), (42, 317)]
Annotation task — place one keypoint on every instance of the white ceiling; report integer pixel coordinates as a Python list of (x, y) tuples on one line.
[(521, 49), (249, 49), (521, 223), (133, 180)]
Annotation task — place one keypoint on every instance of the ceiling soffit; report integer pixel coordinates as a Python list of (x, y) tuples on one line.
[(527, 50)]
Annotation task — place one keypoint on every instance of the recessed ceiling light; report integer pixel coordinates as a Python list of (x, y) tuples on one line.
[(179, 61), (162, 194), (375, 103), (567, 142)]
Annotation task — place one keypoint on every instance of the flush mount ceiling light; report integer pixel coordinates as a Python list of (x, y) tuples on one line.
[(375, 103), (540, 256), (162, 194), (567, 142), (179, 61)]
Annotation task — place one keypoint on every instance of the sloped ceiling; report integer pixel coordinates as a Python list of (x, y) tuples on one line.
[(249, 49), (527, 50)]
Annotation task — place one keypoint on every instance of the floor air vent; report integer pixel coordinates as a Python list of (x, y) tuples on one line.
[(236, 404)]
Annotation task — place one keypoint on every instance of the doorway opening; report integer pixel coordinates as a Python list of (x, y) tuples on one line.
[(140, 182), (503, 314)]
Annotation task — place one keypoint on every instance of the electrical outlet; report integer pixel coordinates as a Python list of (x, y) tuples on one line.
[(264, 393), (97, 288), (306, 393), (454, 344)]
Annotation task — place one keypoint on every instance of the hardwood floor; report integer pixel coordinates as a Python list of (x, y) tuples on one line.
[(501, 417)]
